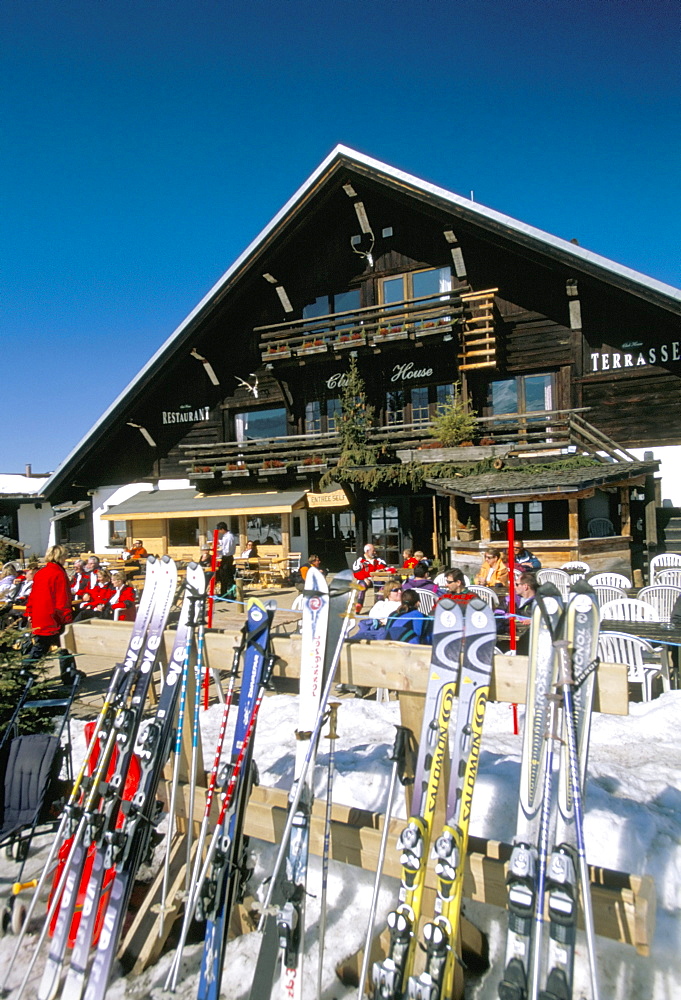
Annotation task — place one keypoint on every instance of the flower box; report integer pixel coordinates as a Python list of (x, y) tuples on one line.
[(274, 470), (230, 473), (311, 349), (390, 333), (312, 467), (277, 352)]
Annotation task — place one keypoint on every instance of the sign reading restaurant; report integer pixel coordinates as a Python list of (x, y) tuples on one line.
[(400, 373), (186, 415), (630, 356)]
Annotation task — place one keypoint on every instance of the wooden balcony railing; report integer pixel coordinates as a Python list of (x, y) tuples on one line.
[(469, 316), (545, 433)]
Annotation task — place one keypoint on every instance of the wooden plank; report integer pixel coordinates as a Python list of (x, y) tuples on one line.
[(624, 905)]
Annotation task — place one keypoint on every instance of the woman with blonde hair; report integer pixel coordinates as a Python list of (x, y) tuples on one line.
[(49, 604)]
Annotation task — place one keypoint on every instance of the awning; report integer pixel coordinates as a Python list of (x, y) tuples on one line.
[(189, 503), (74, 508)]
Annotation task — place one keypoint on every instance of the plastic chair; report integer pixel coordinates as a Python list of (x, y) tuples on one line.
[(662, 597), (666, 560), (427, 599), (600, 527), (486, 593), (668, 577), (558, 577), (629, 609), (637, 654), (576, 570), (610, 580), (607, 594)]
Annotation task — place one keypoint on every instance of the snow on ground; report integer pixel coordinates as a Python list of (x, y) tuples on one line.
[(633, 823)]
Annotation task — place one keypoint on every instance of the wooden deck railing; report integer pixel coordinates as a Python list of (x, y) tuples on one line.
[(469, 315)]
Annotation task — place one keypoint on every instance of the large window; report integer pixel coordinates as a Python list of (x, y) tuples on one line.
[(255, 424), (265, 529), (417, 405), (117, 532), (525, 394), (322, 415), (386, 534), (339, 302), (415, 285), (533, 519), (183, 531)]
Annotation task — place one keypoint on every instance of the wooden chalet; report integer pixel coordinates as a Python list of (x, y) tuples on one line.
[(567, 358)]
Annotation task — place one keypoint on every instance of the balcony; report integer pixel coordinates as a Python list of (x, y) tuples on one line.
[(468, 316), (539, 435)]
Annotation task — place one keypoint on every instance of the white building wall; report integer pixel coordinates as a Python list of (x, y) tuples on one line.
[(35, 528), (669, 457), (108, 496)]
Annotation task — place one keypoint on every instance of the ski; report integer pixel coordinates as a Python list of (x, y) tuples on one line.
[(64, 838), (524, 868), (567, 865), (441, 934), (101, 809), (390, 976), (283, 912), (222, 890), (124, 843)]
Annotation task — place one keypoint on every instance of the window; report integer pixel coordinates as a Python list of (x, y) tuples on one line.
[(264, 529), (333, 415), (183, 531), (395, 403), (326, 305), (415, 285), (525, 394), (420, 412), (385, 532), (117, 532), (255, 424), (313, 417), (533, 519)]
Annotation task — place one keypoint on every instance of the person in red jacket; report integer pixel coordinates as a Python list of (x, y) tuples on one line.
[(49, 603), (122, 600), (96, 598)]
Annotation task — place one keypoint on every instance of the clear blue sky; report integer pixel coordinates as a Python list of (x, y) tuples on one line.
[(146, 142)]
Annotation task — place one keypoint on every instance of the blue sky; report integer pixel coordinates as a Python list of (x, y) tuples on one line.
[(146, 142)]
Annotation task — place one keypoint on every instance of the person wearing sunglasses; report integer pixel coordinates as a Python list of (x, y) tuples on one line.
[(390, 600)]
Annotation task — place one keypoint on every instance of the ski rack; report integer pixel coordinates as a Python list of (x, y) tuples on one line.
[(624, 905)]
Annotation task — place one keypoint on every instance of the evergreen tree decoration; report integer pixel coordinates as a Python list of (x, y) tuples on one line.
[(13, 681), (453, 422), (355, 423)]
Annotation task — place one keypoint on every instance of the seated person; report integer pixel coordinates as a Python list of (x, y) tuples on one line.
[(77, 578), (421, 580), (362, 568), (409, 560), (407, 623), (122, 600), (523, 559), (526, 591), (14, 610), (96, 599), (390, 600), (8, 576), (312, 560), (137, 551), (493, 572), (251, 551), (455, 586), (88, 579)]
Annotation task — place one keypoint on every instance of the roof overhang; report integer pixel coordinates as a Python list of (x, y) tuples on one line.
[(188, 503)]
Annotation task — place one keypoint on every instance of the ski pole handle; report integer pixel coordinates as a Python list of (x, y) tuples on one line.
[(404, 753), (333, 720)]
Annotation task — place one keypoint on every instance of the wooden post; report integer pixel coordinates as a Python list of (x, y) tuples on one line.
[(485, 529), (625, 511), (573, 525)]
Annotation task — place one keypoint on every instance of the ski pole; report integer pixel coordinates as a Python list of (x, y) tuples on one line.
[(196, 735), (309, 757), (227, 797), (332, 736), (565, 683), (403, 768)]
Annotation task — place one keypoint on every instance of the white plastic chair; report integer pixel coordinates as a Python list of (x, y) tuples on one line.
[(486, 593), (662, 597), (668, 577), (637, 654), (629, 609), (610, 580), (576, 570), (558, 577), (427, 599), (666, 560), (607, 594)]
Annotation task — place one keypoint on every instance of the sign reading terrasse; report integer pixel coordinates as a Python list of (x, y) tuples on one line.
[(186, 416), (400, 373), (635, 357)]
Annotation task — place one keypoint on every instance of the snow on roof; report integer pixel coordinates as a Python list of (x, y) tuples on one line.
[(17, 485)]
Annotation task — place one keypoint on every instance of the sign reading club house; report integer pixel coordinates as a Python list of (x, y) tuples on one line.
[(400, 373), (634, 356)]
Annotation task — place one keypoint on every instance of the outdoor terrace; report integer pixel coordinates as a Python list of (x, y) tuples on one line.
[(549, 433), (468, 315)]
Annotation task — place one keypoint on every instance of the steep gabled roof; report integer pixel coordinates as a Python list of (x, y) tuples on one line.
[(342, 160)]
